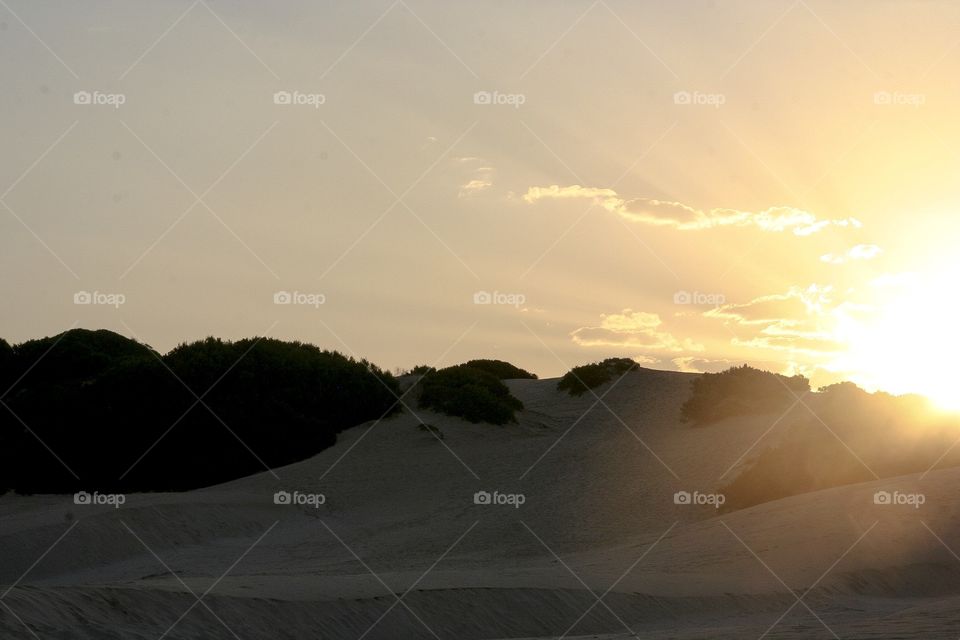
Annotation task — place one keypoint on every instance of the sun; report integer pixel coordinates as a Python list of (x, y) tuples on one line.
[(910, 345)]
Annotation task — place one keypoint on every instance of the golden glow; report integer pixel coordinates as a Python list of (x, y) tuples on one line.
[(910, 345)]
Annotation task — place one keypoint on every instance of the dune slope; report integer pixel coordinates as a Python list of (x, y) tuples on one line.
[(399, 549)]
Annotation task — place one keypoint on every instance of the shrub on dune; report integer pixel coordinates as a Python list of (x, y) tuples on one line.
[(581, 379), (6, 364), (741, 391), (73, 357), (420, 370), (500, 369), (472, 394), (125, 418)]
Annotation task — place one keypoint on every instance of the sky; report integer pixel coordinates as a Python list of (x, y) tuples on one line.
[(694, 185)]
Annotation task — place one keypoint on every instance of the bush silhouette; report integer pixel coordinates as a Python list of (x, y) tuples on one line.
[(741, 391), (581, 379), (419, 370), (73, 357), (6, 365), (502, 370), (125, 418), (843, 392), (472, 394)]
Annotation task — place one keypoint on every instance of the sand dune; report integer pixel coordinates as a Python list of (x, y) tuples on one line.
[(598, 483)]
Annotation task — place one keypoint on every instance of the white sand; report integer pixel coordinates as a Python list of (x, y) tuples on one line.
[(399, 499)]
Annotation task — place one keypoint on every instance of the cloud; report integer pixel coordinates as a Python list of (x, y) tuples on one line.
[(694, 364), (480, 178), (633, 330), (775, 308), (683, 217), (809, 345), (802, 321), (859, 252), (576, 191), (474, 186)]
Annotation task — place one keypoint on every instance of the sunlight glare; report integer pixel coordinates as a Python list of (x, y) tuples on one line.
[(910, 346)]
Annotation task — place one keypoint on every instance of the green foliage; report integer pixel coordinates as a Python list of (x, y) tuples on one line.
[(581, 379), (741, 391), (472, 394), (502, 370), (125, 418)]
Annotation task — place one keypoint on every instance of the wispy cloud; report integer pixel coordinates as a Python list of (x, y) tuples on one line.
[(799, 321), (474, 186), (686, 218), (634, 330), (696, 364), (859, 252), (480, 176), (793, 304)]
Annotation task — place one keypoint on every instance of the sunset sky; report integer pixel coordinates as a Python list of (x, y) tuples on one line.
[(694, 185)]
